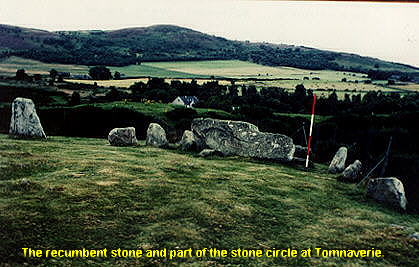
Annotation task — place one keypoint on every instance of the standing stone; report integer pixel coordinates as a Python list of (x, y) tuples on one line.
[(190, 142), (243, 139), (156, 136), (338, 162), (352, 173), (25, 122), (389, 191), (122, 137)]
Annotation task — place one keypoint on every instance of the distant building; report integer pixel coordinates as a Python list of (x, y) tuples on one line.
[(80, 77), (63, 74), (187, 101)]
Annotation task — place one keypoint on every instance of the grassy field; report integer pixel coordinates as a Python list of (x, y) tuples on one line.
[(264, 76), (82, 193), (156, 110), (8, 66)]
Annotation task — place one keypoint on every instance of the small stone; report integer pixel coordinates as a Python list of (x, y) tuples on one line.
[(352, 173), (414, 236), (190, 142)]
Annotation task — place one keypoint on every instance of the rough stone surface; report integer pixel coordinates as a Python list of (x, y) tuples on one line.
[(414, 236), (156, 136), (352, 173), (209, 152), (122, 137), (300, 151), (243, 139), (25, 122), (338, 162), (389, 191), (190, 142)]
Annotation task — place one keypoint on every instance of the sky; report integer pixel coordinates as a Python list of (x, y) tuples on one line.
[(388, 31)]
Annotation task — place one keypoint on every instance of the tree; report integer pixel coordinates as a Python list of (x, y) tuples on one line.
[(113, 95), (21, 75), (75, 99), (53, 74), (117, 75), (100, 73)]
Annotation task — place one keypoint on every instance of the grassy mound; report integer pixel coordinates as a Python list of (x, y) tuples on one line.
[(83, 193)]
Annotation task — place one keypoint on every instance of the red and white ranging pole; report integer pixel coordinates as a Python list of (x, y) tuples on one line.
[(311, 129)]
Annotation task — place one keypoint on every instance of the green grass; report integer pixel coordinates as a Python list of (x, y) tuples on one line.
[(149, 70), (157, 110), (11, 64), (84, 193), (317, 118)]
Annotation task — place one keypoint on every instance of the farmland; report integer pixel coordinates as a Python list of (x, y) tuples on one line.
[(244, 73)]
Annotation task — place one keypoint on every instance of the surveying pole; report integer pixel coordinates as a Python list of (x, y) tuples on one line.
[(311, 129)]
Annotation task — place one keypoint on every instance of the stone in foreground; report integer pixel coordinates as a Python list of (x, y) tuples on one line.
[(25, 122), (243, 139), (388, 191), (190, 142), (352, 173), (156, 136), (338, 162), (122, 137)]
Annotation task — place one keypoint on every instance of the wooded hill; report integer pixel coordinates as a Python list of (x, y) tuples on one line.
[(169, 43)]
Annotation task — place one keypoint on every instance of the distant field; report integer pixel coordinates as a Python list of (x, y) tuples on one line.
[(125, 83), (262, 76), (9, 66)]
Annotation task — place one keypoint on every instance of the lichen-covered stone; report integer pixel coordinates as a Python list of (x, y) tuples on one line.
[(25, 122), (190, 142), (389, 191), (337, 165), (122, 137), (243, 139), (352, 173), (156, 136)]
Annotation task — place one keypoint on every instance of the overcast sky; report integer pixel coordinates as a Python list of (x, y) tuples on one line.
[(383, 30)]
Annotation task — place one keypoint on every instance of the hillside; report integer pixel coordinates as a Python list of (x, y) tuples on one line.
[(81, 192), (171, 43)]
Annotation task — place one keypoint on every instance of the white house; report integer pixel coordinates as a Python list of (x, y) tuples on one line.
[(187, 101)]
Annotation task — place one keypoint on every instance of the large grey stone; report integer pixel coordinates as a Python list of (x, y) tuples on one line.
[(352, 173), (122, 137), (190, 142), (389, 191), (337, 165), (156, 136), (243, 139), (25, 122)]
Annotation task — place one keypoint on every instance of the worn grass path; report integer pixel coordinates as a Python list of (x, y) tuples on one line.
[(83, 193)]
